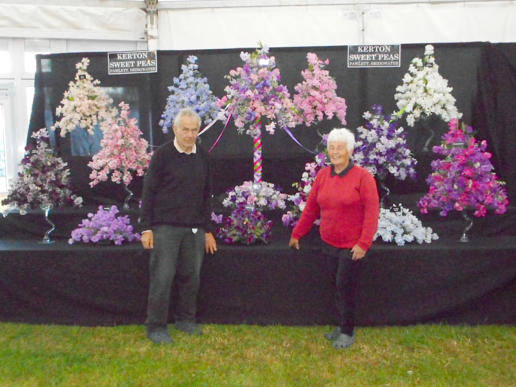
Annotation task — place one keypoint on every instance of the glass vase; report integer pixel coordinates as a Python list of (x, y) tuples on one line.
[(128, 197), (469, 223), (46, 238)]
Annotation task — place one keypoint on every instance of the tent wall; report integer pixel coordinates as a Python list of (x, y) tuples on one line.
[(333, 25), (72, 22)]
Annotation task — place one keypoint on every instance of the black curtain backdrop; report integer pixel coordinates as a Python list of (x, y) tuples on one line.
[(482, 76)]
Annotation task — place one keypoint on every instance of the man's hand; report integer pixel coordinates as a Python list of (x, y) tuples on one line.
[(210, 244), (148, 239), (358, 253), (293, 243)]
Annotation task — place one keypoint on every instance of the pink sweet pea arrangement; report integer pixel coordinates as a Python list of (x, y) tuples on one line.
[(464, 178), (316, 96), (124, 151)]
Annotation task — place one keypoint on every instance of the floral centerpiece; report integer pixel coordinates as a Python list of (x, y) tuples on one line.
[(316, 96), (84, 105), (464, 178), (104, 225), (381, 147), (399, 225), (425, 92), (43, 181), (124, 151), (261, 196), (255, 98), (297, 201), (245, 225), (189, 90)]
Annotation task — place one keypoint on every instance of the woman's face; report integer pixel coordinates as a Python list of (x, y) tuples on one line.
[(338, 152)]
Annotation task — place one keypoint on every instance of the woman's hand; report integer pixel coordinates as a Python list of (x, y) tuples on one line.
[(148, 239), (358, 253), (293, 243), (210, 244)]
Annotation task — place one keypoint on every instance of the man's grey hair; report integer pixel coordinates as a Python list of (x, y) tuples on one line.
[(344, 135), (187, 112)]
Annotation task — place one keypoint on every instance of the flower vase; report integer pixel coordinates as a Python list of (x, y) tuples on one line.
[(469, 223), (128, 197), (426, 125), (46, 238), (386, 192)]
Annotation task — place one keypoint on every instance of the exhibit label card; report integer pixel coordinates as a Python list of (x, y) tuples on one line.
[(374, 55), (132, 62)]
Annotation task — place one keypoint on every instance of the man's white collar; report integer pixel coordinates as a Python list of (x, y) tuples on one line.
[(176, 145)]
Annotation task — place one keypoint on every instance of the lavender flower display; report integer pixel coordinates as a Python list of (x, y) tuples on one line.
[(104, 225), (245, 225), (381, 147), (189, 90), (43, 181), (399, 225)]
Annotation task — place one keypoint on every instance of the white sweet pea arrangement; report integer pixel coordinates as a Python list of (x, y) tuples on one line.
[(425, 92), (399, 225)]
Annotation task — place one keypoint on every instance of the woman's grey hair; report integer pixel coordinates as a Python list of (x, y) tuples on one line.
[(187, 112), (344, 135)]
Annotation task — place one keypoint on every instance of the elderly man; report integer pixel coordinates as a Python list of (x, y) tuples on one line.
[(175, 216), (345, 197)]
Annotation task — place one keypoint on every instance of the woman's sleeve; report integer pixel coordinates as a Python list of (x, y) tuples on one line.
[(371, 202), (310, 212)]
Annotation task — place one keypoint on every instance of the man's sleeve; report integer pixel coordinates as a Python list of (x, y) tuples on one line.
[(150, 181)]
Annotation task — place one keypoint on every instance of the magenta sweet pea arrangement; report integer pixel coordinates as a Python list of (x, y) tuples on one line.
[(464, 179)]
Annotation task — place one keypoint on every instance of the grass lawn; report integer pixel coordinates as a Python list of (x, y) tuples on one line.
[(243, 355)]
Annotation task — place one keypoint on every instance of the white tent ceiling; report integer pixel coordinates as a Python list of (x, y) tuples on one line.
[(201, 24)]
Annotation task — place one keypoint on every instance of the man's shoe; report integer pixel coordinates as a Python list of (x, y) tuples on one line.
[(333, 335), (189, 327), (159, 335), (343, 341)]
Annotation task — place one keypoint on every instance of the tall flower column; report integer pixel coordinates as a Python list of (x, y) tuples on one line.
[(255, 94)]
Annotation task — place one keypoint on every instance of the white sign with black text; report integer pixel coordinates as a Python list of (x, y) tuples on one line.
[(132, 62), (374, 55)]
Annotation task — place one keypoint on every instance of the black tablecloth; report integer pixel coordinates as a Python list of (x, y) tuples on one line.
[(473, 283)]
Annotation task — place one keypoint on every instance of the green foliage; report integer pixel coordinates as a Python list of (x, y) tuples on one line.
[(242, 355)]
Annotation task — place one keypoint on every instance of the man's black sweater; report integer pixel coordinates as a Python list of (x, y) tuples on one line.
[(177, 189)]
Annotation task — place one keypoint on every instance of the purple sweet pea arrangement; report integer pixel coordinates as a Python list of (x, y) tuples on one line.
[(104, 225), (381, 147), (245, 225), (464, 179), (43, 181), (255, 92)]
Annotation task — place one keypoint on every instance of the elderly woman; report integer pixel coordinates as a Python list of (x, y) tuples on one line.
[(345, 198)]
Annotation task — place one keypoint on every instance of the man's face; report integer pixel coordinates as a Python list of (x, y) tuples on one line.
[(186, 133)]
